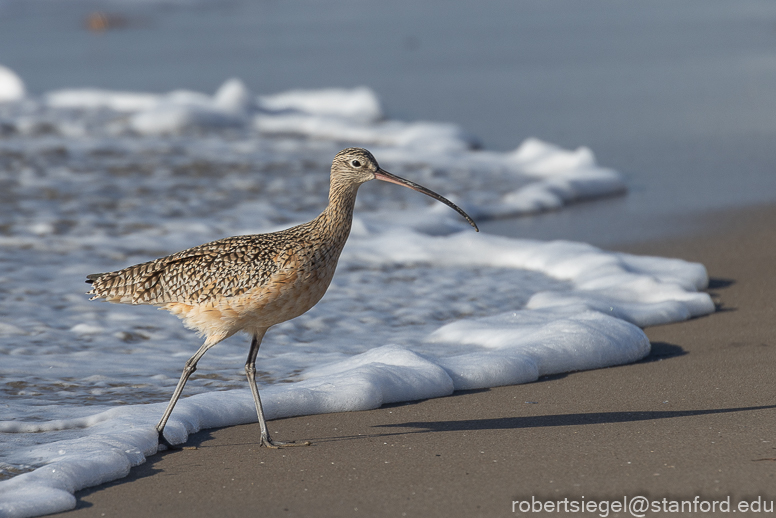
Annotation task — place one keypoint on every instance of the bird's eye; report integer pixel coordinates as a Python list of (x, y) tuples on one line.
[(355, 163)]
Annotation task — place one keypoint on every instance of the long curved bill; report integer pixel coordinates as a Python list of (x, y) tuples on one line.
[(385, 176)]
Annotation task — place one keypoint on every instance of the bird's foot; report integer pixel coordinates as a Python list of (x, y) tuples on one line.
[(164, 442), (269, 443)]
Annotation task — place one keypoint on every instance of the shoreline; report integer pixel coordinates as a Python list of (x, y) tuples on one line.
[(694, 418)]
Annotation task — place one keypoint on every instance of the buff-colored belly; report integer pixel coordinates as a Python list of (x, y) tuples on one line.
[(287, 295)]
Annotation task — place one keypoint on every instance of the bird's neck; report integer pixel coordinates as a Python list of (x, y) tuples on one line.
[(335, 221)]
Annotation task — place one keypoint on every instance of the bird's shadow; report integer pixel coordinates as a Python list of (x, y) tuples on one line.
[(509, 423)]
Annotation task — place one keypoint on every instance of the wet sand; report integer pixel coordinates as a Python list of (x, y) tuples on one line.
[(695, 418)]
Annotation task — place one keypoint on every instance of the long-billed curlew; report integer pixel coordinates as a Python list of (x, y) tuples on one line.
[(250, 283)]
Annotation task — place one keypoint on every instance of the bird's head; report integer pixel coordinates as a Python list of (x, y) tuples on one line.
[(356, 165)]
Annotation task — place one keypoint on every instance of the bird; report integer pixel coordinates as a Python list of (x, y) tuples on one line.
[(252, 282)]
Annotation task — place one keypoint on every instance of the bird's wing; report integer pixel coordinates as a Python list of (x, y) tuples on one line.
[(223, 268)]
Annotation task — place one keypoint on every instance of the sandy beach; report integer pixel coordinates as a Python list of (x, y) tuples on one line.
[(694, 418)]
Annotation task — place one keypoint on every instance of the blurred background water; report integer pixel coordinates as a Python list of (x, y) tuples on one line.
[(679, 97)]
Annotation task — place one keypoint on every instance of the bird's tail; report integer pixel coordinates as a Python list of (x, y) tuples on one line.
[(93, 277)]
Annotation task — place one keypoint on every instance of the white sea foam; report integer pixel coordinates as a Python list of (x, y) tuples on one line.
[(359, 104), (11, 85), (421, 305)]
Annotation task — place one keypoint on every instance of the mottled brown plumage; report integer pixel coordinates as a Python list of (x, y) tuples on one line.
[(250, 283)]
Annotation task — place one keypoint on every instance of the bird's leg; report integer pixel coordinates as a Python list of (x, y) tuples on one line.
[(250, 371), (188, 370)]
